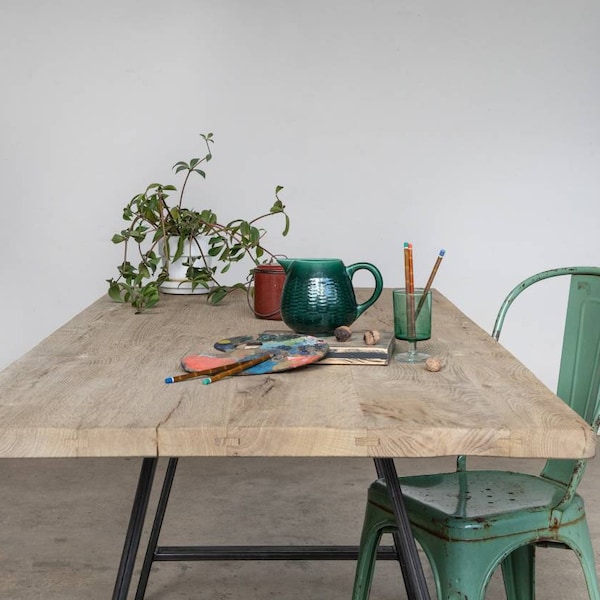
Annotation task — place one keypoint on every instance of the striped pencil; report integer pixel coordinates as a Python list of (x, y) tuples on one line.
[(427, 287)]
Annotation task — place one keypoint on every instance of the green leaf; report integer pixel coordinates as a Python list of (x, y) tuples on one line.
[(163, 275), (158, 235), (198, 282), (236, 252), (179, 252), (255, 236), (277, 207), (114, 291), (139, 233), (216, 295), (143, 270), (117, 239), (286, 229), (127, 270), (208, 216)]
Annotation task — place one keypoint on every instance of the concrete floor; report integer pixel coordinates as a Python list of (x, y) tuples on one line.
[(62, 525)]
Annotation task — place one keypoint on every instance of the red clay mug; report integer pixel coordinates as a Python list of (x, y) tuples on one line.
[(268, 285)]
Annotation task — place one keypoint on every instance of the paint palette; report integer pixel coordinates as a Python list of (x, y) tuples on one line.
[(289, 349)]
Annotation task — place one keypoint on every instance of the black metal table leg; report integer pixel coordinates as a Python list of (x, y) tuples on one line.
[(395, 534), (134, 530), (156, 527), (406, 547), (404, 550)]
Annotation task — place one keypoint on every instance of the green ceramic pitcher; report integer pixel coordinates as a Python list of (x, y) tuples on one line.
[(318, 295)]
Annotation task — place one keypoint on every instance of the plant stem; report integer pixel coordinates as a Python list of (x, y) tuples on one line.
[(190, 172), (163, 208)]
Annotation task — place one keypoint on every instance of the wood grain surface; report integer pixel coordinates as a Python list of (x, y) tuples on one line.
[(96, 387)]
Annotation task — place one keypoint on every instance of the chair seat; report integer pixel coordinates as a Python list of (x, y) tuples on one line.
[(474, 504)]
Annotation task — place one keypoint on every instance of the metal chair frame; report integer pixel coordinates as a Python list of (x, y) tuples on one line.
[(470, 522)]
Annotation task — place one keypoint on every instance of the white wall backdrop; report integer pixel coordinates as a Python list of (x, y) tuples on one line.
[(468, 125)]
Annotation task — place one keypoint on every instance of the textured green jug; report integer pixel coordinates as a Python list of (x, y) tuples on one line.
[(318, 295)]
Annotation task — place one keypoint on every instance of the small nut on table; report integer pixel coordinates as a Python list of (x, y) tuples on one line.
[(371, 337), (433, 364), (342, 333)]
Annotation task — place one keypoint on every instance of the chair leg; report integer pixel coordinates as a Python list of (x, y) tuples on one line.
[(589, 571), (578, 539), (460, 570), (367, 553), (518, 572)]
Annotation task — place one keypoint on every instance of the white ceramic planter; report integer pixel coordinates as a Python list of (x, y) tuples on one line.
[(177, 282)]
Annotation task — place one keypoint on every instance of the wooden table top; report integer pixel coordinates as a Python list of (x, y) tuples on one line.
[(96, 387)]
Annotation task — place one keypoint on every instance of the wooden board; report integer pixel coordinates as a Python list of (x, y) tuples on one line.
[(356, 352), (352, 352)]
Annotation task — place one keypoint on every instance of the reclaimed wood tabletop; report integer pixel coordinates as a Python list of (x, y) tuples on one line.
[(95, 387)]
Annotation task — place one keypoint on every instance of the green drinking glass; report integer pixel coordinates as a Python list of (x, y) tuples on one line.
[(412, 322)]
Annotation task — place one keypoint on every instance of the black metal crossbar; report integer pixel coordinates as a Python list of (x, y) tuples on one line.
[(323, 552)]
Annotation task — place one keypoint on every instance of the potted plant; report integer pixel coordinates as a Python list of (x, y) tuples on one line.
[(162, 232)]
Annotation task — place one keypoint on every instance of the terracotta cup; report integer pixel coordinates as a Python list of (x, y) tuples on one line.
[(268, 285)]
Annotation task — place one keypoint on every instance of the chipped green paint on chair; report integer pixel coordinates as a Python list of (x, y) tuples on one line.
[(470, 522)]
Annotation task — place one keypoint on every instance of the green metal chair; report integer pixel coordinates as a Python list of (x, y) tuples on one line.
[(469, 522)]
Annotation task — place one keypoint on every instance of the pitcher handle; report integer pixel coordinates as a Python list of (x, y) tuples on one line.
[(360, 308)]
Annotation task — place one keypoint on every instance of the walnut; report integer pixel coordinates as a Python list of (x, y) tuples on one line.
[(433, 364), (342, 333), (371, 337)]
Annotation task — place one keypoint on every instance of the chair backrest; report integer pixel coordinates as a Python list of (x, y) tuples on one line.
[(579, 375)]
